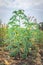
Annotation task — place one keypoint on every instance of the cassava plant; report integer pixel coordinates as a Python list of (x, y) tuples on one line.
[(18, 38)]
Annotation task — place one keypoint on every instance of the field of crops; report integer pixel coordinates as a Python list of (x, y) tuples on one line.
[(21, 41)]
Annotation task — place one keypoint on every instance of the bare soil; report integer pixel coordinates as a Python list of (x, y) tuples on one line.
[(5, 59)]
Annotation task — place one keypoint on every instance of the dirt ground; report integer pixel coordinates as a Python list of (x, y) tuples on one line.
[(5, 59)]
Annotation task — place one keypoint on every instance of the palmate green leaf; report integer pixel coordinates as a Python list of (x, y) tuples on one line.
[(16, 20), (15, 12), (24, 56), (13, 17), (14, 53), (20, 11), (23, 16), (12, 22), (9, 47)]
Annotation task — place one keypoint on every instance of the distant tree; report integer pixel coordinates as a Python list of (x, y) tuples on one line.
[(41, 25), (0, 21)]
